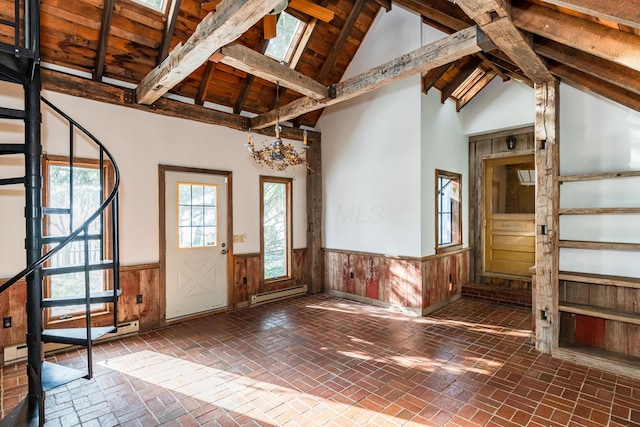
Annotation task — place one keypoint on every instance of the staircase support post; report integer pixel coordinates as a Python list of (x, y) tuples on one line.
[(33, 216)]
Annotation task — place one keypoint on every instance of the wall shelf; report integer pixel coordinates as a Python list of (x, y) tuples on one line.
[(604, 313), (598, 176), (613, 246), (598, 211), (600, 279)]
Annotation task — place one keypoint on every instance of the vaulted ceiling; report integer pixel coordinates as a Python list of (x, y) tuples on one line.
[(593, 44)]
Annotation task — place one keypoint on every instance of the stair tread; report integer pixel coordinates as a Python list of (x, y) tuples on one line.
[(11, 113), (75, 336), (95, 297), (54, 375), (102, 265), (12, 181), (12, 148)]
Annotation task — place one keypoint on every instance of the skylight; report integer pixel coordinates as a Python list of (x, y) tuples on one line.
[(288, 30), (153, 4)]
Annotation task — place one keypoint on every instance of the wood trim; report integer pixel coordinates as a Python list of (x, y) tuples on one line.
[(169, 28), (249, 255), (456, 214), (600, 279), (445, 254), (596, 176), (136, 267), (288, 182), (598, 211), (613, 246), (373, 254), (501, 134), (162, 170)]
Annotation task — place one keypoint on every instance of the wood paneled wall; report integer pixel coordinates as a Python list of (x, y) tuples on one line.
[(247, 280), (418, 285)]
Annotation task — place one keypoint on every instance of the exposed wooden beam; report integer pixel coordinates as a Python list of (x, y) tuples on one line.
[(433, 55), (385, 4), (466, 69), (231, 19), (587, 36), (341, 40), (440, 11), (124, 97), (101, 51), (493, 66), (610, 72), (475, 89), (201, 96), (623, 12), (432, 76), (493, 17), (169, 28), (589, 83), (252, 62)]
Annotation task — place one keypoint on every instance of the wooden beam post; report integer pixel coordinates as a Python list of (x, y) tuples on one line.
[(231, 19), (547, 158), (314, 217)]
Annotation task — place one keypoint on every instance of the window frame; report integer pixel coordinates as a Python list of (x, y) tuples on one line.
[(102, 309), (288, 182), (294, 43), (456, 213)]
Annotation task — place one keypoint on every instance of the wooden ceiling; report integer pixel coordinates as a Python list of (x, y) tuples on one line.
[(593, 44)]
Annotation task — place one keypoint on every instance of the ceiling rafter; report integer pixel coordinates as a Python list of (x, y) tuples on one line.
[(609, 72), (432, 76), (254, 63), (475, 89), (626, 12), (101, 52), (493, 17), (341, 40), (201, 96), (607, 43), (432, 55), (248, 82), (231, 19), (589, 83), (466, 69), (169, 28)]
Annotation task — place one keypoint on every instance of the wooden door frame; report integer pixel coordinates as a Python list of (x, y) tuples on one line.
[(486, 147), (162, 170)]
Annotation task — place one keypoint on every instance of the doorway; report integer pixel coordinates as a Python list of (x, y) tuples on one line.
[(195, 213), (509, 216)]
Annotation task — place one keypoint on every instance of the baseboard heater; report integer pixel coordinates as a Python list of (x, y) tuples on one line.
[(18, 352), (278, 295)]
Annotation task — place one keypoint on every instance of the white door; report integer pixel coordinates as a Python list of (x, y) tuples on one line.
[(196, 243)]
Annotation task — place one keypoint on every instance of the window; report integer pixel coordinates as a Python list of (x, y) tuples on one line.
[(288, 30), (276, 242), (86, 200), (197, 206), (153, 4), (448, 211)]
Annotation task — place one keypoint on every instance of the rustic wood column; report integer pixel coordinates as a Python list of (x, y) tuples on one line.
[(547, 220), (314, 217)]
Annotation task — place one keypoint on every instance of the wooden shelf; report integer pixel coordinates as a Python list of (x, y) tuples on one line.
[(597, 211), (600, 279), (596, 176), (604, 313), (584, 244), (607, 360)]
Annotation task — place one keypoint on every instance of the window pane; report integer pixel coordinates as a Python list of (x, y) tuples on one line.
[(287, 34), (448, 209), (275, 229), (197, 209)]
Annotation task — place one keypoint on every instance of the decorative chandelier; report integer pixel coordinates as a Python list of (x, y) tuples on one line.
[(278, 155)]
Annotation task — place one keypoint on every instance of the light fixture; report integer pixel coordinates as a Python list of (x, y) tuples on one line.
[(279, 7), (278, 155), (511, 142)]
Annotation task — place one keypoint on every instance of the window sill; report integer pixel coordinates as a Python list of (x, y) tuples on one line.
[(448, 248)]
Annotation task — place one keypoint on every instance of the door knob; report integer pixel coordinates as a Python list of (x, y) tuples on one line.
[(224, 252)]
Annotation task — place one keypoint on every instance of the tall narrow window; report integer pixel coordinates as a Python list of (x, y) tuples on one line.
[(448, 211), (276, 240), (85, 200)]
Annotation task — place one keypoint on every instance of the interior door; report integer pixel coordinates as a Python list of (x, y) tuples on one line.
[(509, 216), (196, 243)]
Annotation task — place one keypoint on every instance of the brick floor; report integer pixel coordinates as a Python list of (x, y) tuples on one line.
[(325, 361)]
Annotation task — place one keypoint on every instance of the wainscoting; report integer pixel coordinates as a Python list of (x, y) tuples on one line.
[(414, 285)]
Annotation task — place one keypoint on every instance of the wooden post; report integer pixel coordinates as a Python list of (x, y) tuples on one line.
[(314, 217), (547, 157)]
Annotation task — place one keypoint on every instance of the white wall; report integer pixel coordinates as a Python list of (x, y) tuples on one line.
[(141, 141), (599, 135), (371, 152)]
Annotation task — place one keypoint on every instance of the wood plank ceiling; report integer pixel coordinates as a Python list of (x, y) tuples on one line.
[(593, 44)]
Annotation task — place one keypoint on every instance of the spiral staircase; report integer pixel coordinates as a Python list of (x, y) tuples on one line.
[(20, 65)]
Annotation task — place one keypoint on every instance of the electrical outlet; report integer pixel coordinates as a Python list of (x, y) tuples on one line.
[(450, 286), (6, 322), (139, 299), (351, 275), (244, 280)]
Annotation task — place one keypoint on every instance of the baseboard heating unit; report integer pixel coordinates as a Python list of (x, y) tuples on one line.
[(278, 295), (18, 353)]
